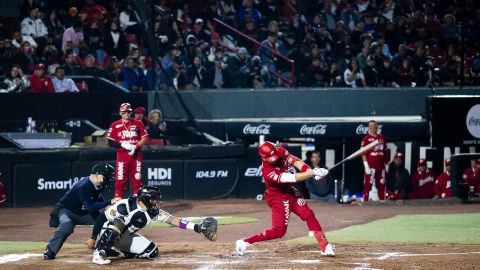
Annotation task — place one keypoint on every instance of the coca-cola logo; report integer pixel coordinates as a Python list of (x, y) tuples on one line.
[(313, 130), (262, 129), (361, 129), (473, 121)]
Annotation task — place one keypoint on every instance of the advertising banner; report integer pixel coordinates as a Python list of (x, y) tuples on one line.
[(455, 120), (167, 175), (208, 179), (41, 184)]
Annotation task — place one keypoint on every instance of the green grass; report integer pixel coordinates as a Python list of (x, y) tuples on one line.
[(7, 247), (416, 229), (221, 221)]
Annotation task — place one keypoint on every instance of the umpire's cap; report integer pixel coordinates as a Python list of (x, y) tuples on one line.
[(105, 169)]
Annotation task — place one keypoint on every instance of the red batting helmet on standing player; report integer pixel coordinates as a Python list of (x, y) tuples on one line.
[(125, 107), (268, 152)]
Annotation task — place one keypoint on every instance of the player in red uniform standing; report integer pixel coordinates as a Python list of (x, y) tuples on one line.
[(423, 181), (471, 176), (442, 186), (279, 176), (374, 161), (127, 136)]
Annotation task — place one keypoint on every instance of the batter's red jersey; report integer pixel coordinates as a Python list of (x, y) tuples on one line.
[(443, 186), (272, 174), (423, 183), (472, 178), (376, 156), (132, 131)]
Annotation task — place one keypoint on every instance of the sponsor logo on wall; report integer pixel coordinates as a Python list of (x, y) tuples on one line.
[(253, 172), (313, 130), (473, 121), (261, 129), (361, 129), (159, 176), (47, 184), (211, 174)]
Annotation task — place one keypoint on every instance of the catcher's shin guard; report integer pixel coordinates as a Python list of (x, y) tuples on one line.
[(150, 252), (106, 240)]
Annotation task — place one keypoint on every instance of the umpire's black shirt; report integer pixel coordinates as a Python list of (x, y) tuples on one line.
[(84, 198)]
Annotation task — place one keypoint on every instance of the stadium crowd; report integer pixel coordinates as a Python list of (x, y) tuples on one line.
[(334, 43)]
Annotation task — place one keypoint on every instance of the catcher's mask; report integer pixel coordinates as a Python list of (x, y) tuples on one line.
[(149, 196), (106, 170)]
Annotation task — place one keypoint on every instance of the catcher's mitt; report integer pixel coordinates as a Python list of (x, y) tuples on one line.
[(209, 228)]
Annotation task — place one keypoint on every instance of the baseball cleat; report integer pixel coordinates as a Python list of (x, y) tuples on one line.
[(99, 257), (328, 251), (241, 246)]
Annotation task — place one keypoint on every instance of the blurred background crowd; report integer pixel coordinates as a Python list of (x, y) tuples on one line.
[(240, 44)]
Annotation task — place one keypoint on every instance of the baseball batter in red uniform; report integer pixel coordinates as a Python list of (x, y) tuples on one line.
[(423, 181), (127, 136), (471, 176), (374, 161), (442, 186), (279, 176)]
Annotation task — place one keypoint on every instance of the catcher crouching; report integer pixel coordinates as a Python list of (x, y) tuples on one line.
[(119, 224)]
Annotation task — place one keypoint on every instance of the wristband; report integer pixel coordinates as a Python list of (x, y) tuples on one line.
[(183, 224), (304, 168)]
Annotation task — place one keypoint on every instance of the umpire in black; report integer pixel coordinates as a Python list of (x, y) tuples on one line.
[(79, 206)]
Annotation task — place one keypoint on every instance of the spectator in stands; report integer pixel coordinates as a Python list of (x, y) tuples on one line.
[(115, 42), (423, 181), (34, 27), (258, 73), (72, 17), (248, 11), (140, 114), (6, 56), (18, 40), (353, 75), (419, 65), (73, 37), (314, 73), (94, 13), (371, 73), (62, 84), (383, 46), (398, 58), (471, 176), (350, 17), (157, 128), (24, 57), (199, 32), (41, 83), (387, 77), (89, 68), (448, 73), (451, 31), (72, 64), (405, 74), (443, 186), (16, 80), (94, 42), (362, 57), (133, 77), (216, 76), (128, 21), (398, 179), (269, 10), (113, 70), (333, 77), (320, 190), (197, 74), (54, 24), (269, 59)]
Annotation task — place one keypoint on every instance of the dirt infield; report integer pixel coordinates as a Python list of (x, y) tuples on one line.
[(186, 250)]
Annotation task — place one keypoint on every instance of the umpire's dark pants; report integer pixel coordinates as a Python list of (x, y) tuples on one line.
[(68, 220)]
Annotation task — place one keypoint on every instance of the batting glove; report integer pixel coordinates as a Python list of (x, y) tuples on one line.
[(367, 168), (132, 149), (126, 145), (320, 173)]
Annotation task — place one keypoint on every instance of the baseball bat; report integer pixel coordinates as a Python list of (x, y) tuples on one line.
[(356, 153)]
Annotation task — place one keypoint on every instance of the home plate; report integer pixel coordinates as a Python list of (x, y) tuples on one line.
[(306, 261), (16, 257)]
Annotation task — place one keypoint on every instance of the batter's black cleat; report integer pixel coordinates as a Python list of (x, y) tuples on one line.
[(48, 255)]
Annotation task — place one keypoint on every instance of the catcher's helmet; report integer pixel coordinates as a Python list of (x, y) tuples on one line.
[(146, 193), (268, 152), (106, 170), (125, 107)]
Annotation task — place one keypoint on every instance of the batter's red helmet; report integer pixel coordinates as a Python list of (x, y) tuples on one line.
[(268, 152), (125, 107)]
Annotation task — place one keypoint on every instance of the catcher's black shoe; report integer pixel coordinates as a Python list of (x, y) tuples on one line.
[(48, 255)]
